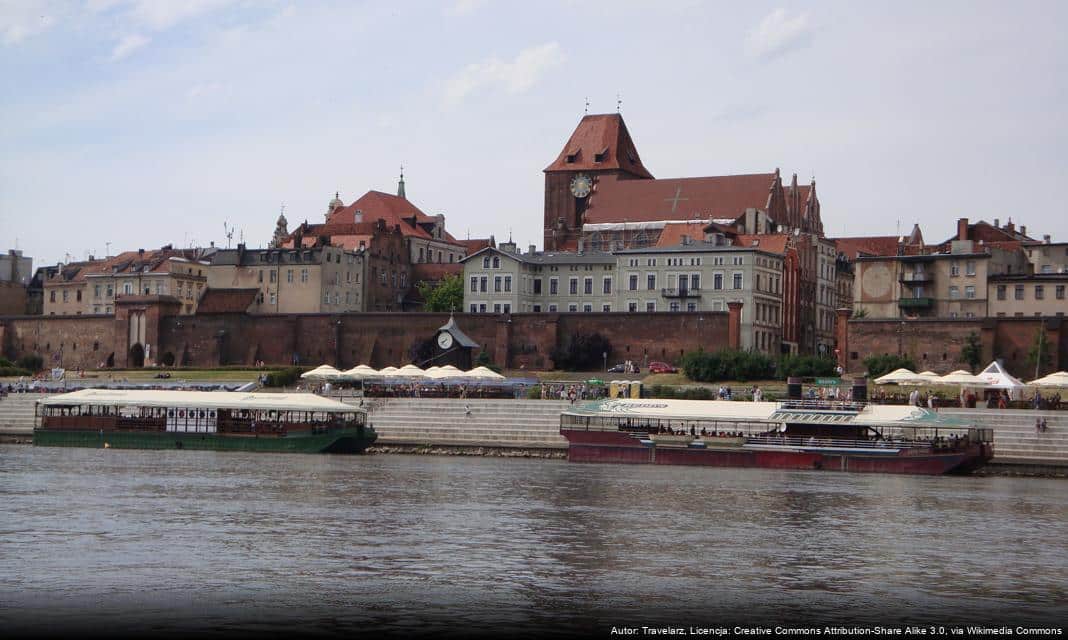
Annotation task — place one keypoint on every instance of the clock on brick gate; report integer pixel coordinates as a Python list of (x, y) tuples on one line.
[(444, 339), (581, 185)]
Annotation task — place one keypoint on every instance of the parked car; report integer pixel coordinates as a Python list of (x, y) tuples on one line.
[(661, 367), (622, 368)]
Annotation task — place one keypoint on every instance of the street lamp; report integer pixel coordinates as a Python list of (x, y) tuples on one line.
[(605, 356)]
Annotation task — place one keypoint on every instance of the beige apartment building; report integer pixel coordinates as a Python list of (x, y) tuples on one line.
[(695, 276), (91, 288), (322, 279), (1027, 295), (937, 285)]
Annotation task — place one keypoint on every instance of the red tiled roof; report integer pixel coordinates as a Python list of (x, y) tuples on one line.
[(395, 210), (478, 244), (600, 134), (376, 204), (673, 232), (772, 243), (616, 200), (867, 246), (227, 300)]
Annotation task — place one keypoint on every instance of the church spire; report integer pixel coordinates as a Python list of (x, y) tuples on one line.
[(400, 185)]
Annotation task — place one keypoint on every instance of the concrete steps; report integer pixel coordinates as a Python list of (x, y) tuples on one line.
[(17, 412), (508, 423), (1015, 438)]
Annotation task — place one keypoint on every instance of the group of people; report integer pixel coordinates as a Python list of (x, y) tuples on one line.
[(572, 392)]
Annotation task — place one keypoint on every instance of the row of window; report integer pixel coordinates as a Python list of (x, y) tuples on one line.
[(429, 257), (1019, 291), (969, 268), (273, 276)]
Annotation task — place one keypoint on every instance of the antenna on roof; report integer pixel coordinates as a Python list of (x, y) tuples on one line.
[(587, 109), (619, 102), (229, 231), (509, 234)]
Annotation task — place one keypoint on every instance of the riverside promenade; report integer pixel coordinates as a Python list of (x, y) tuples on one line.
[(530, 428)]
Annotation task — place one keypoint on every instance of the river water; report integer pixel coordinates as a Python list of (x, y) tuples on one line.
[(229, 543)]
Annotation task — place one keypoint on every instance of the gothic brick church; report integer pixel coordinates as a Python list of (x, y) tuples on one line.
[(598, 191), (599, 196)]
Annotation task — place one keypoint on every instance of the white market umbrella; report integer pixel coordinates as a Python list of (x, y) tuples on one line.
[(962, 378), (924, 377), (360, 372), (898, 376), (322, 372), (483, 373), (388, 372), (448, 371), (1059, 379), (411, 371)]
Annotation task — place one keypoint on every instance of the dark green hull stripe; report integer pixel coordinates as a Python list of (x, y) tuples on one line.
[(348, 441)]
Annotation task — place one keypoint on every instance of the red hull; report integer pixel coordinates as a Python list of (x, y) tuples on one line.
[(607, 446)]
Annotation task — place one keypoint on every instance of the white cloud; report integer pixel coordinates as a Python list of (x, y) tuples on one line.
[(463, 7), (129, 44), (160, 15), (777, 34), (20, 20), (514, 77)]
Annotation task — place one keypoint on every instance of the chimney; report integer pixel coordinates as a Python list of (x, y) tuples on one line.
[(997, 223), (1023, 230), (1046, 239), (358, 216), (533, 248), (580, 245), (962, 228), (1009, 226)]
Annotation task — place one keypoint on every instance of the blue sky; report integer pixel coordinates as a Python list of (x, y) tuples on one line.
[(145, 122)]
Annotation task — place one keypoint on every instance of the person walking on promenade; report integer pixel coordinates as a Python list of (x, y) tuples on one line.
[(914, 397)]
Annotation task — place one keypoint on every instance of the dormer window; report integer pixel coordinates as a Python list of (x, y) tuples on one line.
[(572, 157), (602, 156)]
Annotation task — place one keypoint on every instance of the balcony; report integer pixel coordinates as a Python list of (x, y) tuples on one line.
[(915, 303), (681, 293), (908, 277)]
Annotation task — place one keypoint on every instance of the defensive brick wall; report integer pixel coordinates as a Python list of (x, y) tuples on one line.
[(937, 345), (345, 340)]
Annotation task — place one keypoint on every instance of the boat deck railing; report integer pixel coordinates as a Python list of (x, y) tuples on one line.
[(823, 405), (800, 442)]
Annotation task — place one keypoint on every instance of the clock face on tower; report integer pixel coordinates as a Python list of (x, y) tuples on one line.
[(581, 185), (444, 339)]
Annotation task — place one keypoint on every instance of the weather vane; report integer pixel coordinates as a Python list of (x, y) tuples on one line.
[(619, 102), (587, 109)]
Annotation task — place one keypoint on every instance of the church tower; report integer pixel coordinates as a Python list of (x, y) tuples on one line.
[(599, 146), (281, 231)]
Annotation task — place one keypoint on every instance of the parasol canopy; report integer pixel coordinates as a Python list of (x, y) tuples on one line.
[(1059, 379), (322, 372), (411, 371), (448, 371), (360, 372), (961, 378), (483, 373), (898, 376)]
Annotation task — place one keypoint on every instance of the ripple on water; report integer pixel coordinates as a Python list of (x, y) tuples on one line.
[(228, 542)]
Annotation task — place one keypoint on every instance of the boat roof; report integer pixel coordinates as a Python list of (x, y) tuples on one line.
[(200, 399), (740, 411)]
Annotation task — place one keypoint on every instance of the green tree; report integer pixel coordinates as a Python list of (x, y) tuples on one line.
[(448, 295), (880, 365), (1039, 356), (860, 312), (972, 352)]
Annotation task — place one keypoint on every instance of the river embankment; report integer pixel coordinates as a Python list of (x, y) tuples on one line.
[(508, 428)]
